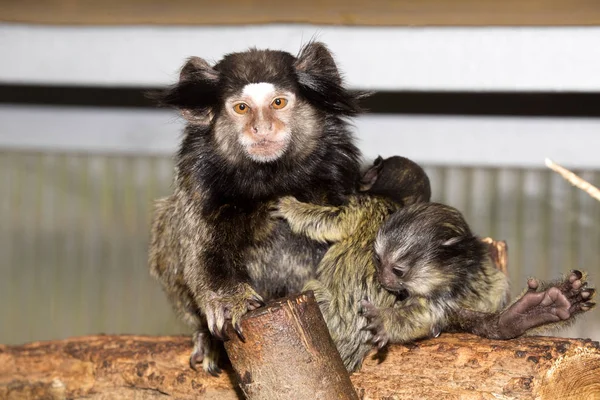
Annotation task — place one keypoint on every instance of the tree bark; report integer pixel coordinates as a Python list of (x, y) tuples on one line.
[(452, 366), (288, 354)]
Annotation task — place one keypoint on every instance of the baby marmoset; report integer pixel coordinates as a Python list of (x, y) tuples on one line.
[(346, 273), (261, 124), (418, 273)]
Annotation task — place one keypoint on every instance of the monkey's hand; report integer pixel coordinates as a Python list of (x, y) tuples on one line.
[(230, 307), (320, 223), (285, 207), (536, 307), (375, 323)]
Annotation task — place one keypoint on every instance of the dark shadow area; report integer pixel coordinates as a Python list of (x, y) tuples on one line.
[(559, 104)]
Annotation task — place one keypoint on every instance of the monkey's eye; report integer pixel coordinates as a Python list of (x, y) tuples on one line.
[(398, 271), (279, 103), (241, 108)]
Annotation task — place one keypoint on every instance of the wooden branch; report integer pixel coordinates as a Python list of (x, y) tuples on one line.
[(498, 250), (574, 180), (288, 353), (451, 366)]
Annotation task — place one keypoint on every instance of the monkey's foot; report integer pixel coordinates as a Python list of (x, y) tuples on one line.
[(230, 307), (375, 324), (206, 353), (554, 304)]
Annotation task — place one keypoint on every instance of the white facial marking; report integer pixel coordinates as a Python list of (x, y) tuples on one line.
[(269, 145), (260, 93)]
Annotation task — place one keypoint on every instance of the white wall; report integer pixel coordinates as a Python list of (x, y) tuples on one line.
[(402, 58)]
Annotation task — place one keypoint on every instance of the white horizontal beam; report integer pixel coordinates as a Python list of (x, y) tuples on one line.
[(378, 58), (477, 141)]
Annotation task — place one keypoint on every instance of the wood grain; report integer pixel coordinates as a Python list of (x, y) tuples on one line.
[(288, 353), (328, 12), (452, 366)]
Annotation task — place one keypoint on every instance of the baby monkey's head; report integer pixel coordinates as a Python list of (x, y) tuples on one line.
[(397, 178), (426, 249)]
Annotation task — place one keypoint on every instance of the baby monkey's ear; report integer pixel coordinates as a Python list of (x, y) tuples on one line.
[(196, 93), (370, 176)]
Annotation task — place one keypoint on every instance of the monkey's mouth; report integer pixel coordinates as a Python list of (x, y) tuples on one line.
[(400, 293), (267, 150), (399, 290)]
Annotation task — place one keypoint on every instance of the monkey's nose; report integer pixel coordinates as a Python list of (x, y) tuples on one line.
[(264, 129)]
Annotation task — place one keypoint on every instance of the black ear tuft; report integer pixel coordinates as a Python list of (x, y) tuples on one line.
[(195, 94), (197, 69), (320, 81), (315, 59)]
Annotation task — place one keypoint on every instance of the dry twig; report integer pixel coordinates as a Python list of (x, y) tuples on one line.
[(574, 179)]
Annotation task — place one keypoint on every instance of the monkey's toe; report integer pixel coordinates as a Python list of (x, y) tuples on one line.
[(582, 307), (212, 368), (575, 275), (588, 293), (196, 359), (532, 284)]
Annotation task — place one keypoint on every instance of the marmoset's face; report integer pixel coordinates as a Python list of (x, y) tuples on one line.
[(262, 117), (417, 247), (263, 122)]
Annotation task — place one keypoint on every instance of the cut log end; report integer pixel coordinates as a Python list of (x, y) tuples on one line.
[(288, 353)]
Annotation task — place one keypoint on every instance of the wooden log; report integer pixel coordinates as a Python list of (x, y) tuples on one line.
[(108, 367), (452, 366), (288, 354), (463, 366)]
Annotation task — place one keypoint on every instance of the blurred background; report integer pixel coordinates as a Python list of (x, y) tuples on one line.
[(479, 93)]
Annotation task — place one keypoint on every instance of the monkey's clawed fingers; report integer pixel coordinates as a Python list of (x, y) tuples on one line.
[(280, 208), (230, 308), (374, 323), (576, 289)]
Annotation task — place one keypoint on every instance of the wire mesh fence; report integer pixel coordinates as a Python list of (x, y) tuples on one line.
[(74, 232)]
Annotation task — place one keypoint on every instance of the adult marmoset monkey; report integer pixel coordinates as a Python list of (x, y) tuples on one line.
[(261, 124), (453, 284)]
